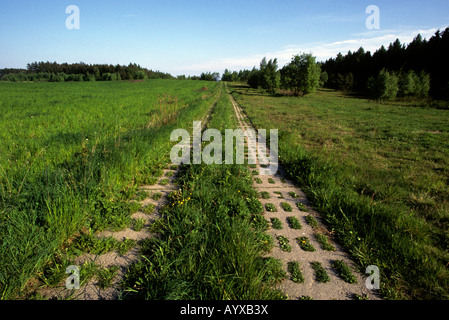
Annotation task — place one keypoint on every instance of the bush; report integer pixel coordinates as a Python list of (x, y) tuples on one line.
[(384, 87), (302, 75)]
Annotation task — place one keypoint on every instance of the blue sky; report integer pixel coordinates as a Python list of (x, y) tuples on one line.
[(190, 37)]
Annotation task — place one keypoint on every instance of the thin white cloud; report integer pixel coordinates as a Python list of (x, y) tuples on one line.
[(370, 41)]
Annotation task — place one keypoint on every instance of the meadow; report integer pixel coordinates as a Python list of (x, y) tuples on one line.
[(74, 153), (377, 173)]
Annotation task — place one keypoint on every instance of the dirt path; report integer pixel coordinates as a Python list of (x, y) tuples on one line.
[(277, 189)]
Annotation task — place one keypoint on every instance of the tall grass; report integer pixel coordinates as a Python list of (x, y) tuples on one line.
[(72, 154)]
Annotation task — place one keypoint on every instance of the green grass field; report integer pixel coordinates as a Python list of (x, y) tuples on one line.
[(378, 173), (73, 154)]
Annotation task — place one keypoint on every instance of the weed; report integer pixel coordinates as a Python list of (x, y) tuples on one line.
[(276, 223), (294, 223), (265, 195), (138, 224), (324, 242), (320, 274), (312, 221), (271, 180), (280, 196), (156, 196), (106, 275), (302, 207), (148, 209), (293, 194), (284, 244), (286, 206), (305, 244), (164, 182), (270, 207), (343, 271), (295, 272), (258, 180)]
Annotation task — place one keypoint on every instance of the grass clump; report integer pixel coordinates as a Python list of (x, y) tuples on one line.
[(305, 244), (284, 244), (324, 242), (106, 275), (286, 206), (312, 221), (148, 209), (265, 195), (156, 196), (276, 223), (294, 223), (138, 224), (301, 206), (293, 194), (320, 274), (295, 272), (270, 207), (343, 271)]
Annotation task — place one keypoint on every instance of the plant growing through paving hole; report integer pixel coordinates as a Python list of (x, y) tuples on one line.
[(343, 271), (258, 180), (294, 223), (295, 271), (280, 196), (302, 207), (305, 244), (276, 223), (148, 209), (265, 195), (293, 194), (286, 206), (138, 224), (312, 221), (320, 274), (106, 275), (270, 207), (324, 242), (156, 196), (164, 182), (284, 244), (271, 180)]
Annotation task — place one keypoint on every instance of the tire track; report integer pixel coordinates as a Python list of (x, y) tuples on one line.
[(280, 194)]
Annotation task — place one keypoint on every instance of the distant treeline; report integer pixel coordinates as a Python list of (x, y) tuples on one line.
[(55, 72), (419, 69), (411, 69)]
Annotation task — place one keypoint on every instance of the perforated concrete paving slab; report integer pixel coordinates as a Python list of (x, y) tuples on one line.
[(282, 191)]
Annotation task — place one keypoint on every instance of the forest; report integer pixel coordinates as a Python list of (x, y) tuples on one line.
[(55, 72), (418, 69)]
